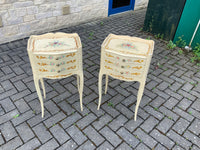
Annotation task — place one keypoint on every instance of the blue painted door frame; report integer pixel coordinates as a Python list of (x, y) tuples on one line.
[(120, 9)]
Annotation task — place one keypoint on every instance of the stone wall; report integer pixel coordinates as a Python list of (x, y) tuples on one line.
[(21, 18), (139, 4)]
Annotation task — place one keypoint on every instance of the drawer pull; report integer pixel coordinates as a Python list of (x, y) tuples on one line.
[(122, 66), (58, 65), (57, 58), (123, 60), (58, 71)]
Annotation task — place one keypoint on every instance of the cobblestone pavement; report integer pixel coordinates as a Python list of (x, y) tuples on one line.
[(168, 117)]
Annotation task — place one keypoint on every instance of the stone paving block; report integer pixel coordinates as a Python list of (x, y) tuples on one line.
[(21, 105), (32, 144), (50, 145), (61, 97), (141, 146), (171, 102), (195, 126), (162, 139), (59, 134), (87, 146), (196, 105), (71, 145), (183, 114), (94, 135), (93, 107), (67, 108), (20, 95), (116, 99), (187, 87), (175, 86), (177, 148), (71, 88), (153, 112), (184, 103), (25, 132), (8, 116), (88, 119), (8, 131), (187, 95), (165, 125), (7, 85), (149, 124), (131, 125), (179, 139), (54, 119), (152, 84), (163, 85), (70, 120), (85, 111), (102, 121), (58, 87), (42, 133), (128, 137), (8, 94), (132, 99), (105, 145), (168, 113), (181, 125), (20, 86), (173, 94), (89, 98), (7, 104), (76, 134), (125, 111), (146, 139), (110, 136), (160, 147), (157, 102), (108, 109), (12, 144), (124, 146), (51, 107), (118, 122), (1, 140), (22, 118)]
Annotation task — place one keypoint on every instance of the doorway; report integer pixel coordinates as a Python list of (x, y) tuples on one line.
[(117, 6)]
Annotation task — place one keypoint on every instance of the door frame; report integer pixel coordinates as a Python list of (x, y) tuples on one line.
[(120, 9)]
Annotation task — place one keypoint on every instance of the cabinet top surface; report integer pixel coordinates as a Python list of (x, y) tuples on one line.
[(128, 45), (54, 43)]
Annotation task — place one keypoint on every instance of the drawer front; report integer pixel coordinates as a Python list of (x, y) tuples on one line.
[(124, 67), (123, 59), (56, 64)]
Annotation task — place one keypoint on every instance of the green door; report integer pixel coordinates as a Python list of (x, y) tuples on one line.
[(188, 22)]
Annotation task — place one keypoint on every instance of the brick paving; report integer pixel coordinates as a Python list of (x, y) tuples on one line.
[(168, 117)]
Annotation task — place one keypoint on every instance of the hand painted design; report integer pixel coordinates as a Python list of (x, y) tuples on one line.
[(62, 69), (127, 46), (137, 67), (135, 74), (120, 76), (55, 44), (108, 55), (139, 60), (72, 55), (52, 64), (107, 67), (53, 70), (71, 61), (43, 70), (73, 67), (50, 57), (40, 57), (123, 66), (59, 76), (42, 64), (108, 61)]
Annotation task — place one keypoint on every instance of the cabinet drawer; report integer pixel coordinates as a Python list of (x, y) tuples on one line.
[(122, 59)]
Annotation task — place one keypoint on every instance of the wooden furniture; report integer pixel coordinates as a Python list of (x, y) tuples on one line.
[(55, 56), (125, 58)]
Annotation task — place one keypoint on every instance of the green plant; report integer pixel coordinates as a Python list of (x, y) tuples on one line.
[(180, 42), (148, 38), (171, 45), (141, 29), (197, 51), (110, 104), (180, 51), (101, 23), (157, 36), (16, 116)]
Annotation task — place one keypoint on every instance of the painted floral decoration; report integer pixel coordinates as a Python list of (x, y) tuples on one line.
[(56, 44), (127, 45), (50, 57)]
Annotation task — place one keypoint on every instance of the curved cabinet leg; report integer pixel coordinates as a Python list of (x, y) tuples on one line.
[(43, 87), (139, 97), (106, 85), (36, 81), (78, 82), (81, 90), (100, 89)]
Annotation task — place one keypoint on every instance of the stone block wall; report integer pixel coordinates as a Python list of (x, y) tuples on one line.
[(21, 18)]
